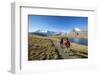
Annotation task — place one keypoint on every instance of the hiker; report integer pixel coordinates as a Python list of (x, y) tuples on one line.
[(61, 42), (66, 44)]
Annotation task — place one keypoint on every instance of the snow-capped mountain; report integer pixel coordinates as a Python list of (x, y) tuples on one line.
[(41, 31), (77, 29), (45, 32)]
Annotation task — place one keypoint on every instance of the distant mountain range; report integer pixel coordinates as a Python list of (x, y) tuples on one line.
[(45, 33), (52, 33)]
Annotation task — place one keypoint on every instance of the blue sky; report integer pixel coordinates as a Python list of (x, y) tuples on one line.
[(56, 23)]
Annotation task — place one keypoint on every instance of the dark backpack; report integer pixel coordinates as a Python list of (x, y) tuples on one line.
[(61, 41)]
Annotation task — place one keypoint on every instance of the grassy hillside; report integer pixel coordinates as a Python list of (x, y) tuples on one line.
[(40, 48), (79, 50), (48, 48)]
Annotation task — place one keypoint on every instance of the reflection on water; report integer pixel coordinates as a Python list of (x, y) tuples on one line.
[(81, 41)]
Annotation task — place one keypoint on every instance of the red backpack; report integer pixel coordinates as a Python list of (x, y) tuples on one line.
[(67, 44)]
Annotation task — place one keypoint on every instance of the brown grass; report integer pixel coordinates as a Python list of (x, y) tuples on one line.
[(80, 50), (40, 48)]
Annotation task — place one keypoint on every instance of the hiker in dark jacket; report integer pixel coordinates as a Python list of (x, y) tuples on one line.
[(61, 42)]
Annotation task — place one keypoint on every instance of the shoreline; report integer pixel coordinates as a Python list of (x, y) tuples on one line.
[(79, 47)]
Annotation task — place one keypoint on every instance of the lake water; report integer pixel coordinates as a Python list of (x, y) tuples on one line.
[(79, 41)]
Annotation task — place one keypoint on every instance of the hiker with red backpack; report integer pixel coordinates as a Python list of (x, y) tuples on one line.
[(66, 44)]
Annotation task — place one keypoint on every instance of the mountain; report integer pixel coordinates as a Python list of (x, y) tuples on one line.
[(45, 33), (77, 29)]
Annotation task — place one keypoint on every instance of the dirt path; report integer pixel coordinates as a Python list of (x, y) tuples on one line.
[(63, 52)]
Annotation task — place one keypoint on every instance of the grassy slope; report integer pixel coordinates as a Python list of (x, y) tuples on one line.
[(41, 48), (79, 50)]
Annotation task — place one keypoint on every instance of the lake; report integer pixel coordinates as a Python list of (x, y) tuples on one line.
[(81, 41)]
